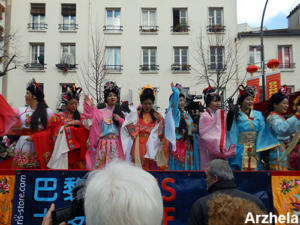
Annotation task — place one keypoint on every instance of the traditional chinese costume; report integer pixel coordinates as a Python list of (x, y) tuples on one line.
[(181, 151), (282, 129), (212, 137), (251, 136)]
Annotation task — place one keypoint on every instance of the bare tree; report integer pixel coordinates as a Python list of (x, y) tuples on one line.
[(8, 51), (216, 56), (93, 74)]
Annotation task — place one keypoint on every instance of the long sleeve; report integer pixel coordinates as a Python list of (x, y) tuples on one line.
[(174, 105), (265, 139), (284, 128)]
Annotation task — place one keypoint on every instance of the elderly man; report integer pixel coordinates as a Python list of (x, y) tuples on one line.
[(120, 194), (220, 180)]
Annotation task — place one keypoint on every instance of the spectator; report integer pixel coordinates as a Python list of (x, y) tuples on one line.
[(121, 194), (220, 180), (227, 210)]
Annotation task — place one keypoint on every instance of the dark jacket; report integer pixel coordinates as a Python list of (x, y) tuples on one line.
[(200, 209)]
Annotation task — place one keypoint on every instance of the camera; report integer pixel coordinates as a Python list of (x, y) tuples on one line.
[(194, 107), (75, 209)]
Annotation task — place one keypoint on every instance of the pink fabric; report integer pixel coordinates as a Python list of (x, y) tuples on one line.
[(212, 139), (97, 116)]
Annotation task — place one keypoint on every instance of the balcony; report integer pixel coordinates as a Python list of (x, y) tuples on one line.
[(180, 67), (112, 29), (35, 66), (217, 67), (180, 28), (68, 27), (66, 67), (146, 68), (149, 29), (287, 66), (216, 28), (113, 68), (37, 26)]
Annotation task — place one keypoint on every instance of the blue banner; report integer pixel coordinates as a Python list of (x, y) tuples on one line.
[(36, 190)]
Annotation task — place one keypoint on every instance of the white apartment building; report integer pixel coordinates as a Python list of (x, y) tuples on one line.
[(145, 42), (282, 44)]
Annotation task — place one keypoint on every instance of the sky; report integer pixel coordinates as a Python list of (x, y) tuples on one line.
[(250, 11)]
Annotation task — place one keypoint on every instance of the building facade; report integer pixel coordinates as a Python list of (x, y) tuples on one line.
[(282, 44), (143, 42)]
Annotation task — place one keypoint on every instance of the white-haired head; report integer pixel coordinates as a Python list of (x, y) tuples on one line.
[(122, 194)]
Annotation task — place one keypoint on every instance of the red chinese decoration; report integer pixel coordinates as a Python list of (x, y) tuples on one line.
[(273, 64), (252, 69)]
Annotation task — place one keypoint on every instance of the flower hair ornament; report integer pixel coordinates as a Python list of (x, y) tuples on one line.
[(71, 92), (179, 87), (111, 86), (283, 90), (35, 89), (148, 86), (209, 91), (247, 90)]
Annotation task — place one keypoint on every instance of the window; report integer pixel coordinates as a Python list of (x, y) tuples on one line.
[(216, 23), (113, 55), (68, 12), (37, 51), (113, 20), (68, 57), (285, 57), (180, 20), (149, 20), (255, 54), (180, 59), (216, 58), (37, 17), (149, 59)]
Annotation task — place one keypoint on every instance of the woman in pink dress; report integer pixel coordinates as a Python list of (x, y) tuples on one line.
[(104, 125)]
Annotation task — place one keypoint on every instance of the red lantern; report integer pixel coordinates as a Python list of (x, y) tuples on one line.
[(273, 64), (252, 69)]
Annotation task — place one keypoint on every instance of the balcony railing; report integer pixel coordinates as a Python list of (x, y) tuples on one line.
[(37, 26), (68, 27), (287, 66), (149, 68), (180, 28), (217, 66), (216, 28), (113, 68), (66, 67), (112, 28), (35, 66), (148, 28), (180, 67)]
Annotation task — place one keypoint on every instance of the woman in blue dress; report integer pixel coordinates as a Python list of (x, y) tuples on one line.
[(282, 128), (247, 130), (179, 133)]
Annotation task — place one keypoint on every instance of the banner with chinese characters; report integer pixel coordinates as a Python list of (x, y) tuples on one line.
[(286, 192), (273, 83), (254, 82), (7, 188), (36, 190)]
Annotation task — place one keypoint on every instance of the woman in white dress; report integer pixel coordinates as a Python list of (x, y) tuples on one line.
[(33, 118)]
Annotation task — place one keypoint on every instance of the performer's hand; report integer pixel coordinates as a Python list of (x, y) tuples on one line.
[(157, 116), (29, 138), (172, 85), (89, 101), (116, 117)]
